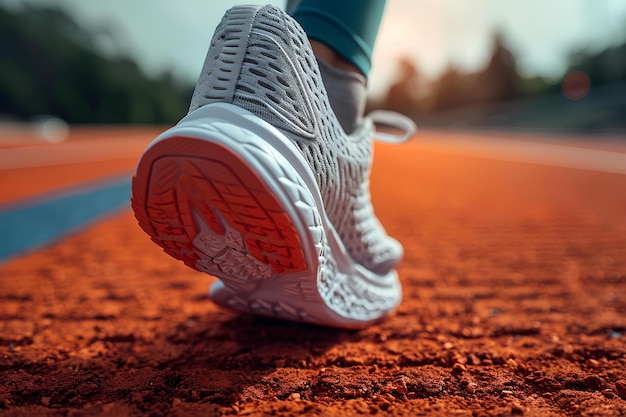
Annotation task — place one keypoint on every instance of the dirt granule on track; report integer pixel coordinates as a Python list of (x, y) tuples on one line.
[(515, 304)]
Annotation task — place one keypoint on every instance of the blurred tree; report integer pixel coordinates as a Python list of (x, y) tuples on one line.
[(453, 89), (50, 65), (499, 80), (404, 93)]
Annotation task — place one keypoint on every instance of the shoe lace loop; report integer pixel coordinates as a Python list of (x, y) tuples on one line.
[(392, 127)]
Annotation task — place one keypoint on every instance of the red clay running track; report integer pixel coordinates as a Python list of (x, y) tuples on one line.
[(514, 279)]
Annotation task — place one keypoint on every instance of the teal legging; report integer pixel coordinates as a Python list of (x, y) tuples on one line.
[(349, 27)]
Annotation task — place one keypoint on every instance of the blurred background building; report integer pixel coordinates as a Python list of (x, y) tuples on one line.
[(555, 65)]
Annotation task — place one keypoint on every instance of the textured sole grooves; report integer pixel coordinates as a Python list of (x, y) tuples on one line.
[(206, 207)]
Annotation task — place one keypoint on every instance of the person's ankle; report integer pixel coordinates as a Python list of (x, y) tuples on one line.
[(347, 93), (332, 58)]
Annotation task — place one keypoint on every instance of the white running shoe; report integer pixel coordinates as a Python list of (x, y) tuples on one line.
[(259, 186)]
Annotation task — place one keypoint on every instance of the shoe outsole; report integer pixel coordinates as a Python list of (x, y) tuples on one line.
[(228, 195), (190, 174)]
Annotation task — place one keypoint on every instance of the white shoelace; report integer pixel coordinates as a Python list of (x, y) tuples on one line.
[(392, 122)]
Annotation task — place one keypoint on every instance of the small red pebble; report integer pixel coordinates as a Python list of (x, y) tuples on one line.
[(620, 387)]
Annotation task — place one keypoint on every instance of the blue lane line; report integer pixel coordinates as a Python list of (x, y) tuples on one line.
[(29, 225)]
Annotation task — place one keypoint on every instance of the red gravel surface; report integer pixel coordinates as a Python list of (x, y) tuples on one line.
[(515, 304)]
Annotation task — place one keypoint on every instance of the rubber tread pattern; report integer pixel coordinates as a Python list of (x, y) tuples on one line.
[(207, 177)]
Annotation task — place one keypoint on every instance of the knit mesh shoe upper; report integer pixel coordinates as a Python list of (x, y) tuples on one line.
[(261, 60)]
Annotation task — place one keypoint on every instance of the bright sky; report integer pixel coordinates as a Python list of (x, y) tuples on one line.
[(434, 33)]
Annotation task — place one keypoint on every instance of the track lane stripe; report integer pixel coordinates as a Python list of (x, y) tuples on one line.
[(512, 150), (31, 224)]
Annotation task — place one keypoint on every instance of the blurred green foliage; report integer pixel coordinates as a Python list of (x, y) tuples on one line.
[(51, 65)]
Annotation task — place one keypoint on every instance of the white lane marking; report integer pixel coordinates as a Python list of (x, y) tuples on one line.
[(79, 152), (515, 150)]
